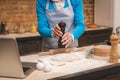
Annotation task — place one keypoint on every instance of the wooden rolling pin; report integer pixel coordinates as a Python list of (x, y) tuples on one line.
[(61, 50)]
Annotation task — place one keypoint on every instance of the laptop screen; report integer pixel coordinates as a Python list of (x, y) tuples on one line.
[(10, 65)]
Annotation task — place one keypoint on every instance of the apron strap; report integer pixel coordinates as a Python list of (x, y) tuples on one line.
[(47, 5), (69, 2)]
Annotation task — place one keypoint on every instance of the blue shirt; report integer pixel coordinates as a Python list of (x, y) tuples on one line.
[(43, 26)]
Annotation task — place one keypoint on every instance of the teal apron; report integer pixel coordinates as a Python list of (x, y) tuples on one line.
[(54, 17)]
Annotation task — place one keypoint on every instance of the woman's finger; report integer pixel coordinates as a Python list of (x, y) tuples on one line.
[(67, 39), (57, 27), (57, 32)]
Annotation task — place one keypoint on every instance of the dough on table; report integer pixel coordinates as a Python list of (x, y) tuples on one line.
[(65, 57)]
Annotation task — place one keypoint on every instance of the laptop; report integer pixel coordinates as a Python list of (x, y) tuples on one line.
[(10, 64)]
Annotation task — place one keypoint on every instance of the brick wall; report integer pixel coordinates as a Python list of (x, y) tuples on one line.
[(89, 11), (24, 13), (18, 11)]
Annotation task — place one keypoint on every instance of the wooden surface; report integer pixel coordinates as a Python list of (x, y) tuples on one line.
[(102, 50)]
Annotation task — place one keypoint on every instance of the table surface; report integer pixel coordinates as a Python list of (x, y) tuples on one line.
[(69, 68), (27, 34)]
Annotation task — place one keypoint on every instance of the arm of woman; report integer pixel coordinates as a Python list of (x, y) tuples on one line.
[(78, 19), (43, 26)]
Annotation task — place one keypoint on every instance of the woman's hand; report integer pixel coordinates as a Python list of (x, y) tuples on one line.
[(67, 39), (56, 31)]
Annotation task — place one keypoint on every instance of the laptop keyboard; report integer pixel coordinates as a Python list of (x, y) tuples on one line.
[(26, 68)]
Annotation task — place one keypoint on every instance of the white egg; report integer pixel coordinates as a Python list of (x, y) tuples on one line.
[(40, 66), (48, 68)]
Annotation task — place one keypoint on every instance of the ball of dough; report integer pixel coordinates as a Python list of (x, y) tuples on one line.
[(46, 62), (48, 68), (40, 66)]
